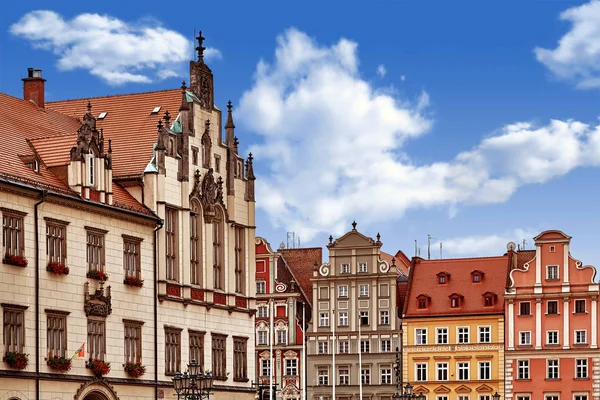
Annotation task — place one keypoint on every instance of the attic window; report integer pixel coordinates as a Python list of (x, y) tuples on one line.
[(422, 301), (455, 300), (552, 249), (489, 299), (477, 276), (102, 115), (34, 165), (443, 278), (156, 110)]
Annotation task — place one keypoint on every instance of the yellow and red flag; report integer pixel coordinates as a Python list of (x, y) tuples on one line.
[(80, 352)]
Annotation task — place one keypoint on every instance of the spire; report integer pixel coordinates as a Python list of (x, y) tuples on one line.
[(200, 48), (89, 107), (230, 128), (167, 119), (250, 168), (229, 123), (184, 103)]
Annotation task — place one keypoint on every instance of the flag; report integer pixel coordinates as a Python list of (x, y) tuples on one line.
[(80, 352)]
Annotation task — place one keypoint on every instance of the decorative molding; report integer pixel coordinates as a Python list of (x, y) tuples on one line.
[(96, 384), (13, 212), (56, 221), (96, 230), (133, 321), (132, 238), (14, 306), (97, 304), (56, 312)]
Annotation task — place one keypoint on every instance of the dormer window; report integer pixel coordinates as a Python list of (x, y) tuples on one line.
[(423, 301), (91, 168), (489, 299), (455, 300), (443, 278), (477, 276)]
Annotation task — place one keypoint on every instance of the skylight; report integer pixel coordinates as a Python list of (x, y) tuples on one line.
[(102, 115), (156, 110)]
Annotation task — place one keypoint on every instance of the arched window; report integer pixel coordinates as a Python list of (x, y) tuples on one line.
[(90, 169), (218, 253), (205, 151), (196, 243)]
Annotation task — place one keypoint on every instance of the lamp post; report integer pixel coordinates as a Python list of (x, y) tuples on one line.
[(496, 396), (407, 393), (193, 384)]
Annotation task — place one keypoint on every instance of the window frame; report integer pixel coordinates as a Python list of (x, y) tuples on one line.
[(421, 371), (13, 315), (96, 337), (345, 290), (196, 256), (522, 335), (438, 331), (554, 333), (172, 243), (421, 333), (553, 368), (219, 250), (365, 375), (576, 334), (261, 283), (488, 333), (342, 318), (363, 268), (132, 338), (364, 315), (365, 346), (240, 359), (322, 376), (323, 319), (384, 317), (345, 268), (555, 303), (95, 248), (387, 348), (172, 349), (240, 258), (219, 356), (442, 369), (385, 375), (461, 367), (584, 368), (460, 336), (56, 336), (576, 309), (56, 241), (132, 260), (523, 370), (345, 374), (361, 292), (291, 368), (196, 346), (528, 306), (484, 370), (14, 233)]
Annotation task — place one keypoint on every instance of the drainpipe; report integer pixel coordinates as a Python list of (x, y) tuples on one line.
[(154, 247), (43, 194)]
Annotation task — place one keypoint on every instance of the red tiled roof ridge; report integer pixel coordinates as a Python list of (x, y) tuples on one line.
[(112, 95), (463, 258), (302, 248)]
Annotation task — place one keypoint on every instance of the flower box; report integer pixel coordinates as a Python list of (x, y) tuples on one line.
[(15, 260), (57, 363), (135, 370), (97, 274), (98, 367), (133, 281), (57, 268), (16, 360)]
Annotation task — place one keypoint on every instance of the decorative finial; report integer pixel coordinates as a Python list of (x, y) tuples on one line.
[(354, 225), (183, 86), (197, 175), (207, 124), (89, 107), (393, 261), (378, 236), (159, 125), (200, 48), (250, 158), (229, 106), (167, 118), (236, 142), (330, 239)]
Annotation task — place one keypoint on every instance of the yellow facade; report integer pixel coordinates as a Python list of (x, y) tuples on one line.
[(465, 354)]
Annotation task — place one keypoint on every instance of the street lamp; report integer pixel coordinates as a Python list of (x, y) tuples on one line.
[(193, 384), (407, 393), (496, 396)]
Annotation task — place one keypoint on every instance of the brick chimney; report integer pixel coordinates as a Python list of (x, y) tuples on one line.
[(33, 87)]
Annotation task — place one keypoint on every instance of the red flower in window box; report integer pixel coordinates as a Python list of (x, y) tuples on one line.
[(16, 360), (58, 363), (135, 370), (97, 274), (98, 367), (57, 268), (15, 260), (133, 281)]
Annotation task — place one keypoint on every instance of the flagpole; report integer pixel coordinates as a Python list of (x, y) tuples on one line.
[(333, 352), (272, 337), (304, 358), (360, 392)]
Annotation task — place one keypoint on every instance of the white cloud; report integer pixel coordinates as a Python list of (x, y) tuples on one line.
[(402, 78), (332, 148), (115, 51), (483, 245), (577, 55), (381, 71)]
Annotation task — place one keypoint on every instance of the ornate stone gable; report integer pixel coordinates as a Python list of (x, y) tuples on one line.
[(210, 194), (97, 304), (201, 78), (88, 138)]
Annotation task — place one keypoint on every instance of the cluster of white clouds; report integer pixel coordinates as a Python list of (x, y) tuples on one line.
[(485, 244), (111, 49)]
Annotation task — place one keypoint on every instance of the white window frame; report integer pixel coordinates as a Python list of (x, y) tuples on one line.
[(388, 374), (343, 347), (360, 317), (365, 346), (575, 334), (365, 292), (343, 293), (580, 396), (384, 317), (484, 397), (525, 367), (91, 169), (553, 333), (482, 364), (460, 366), (585, 367), (345, 375), (489, 333), (323, 347), (258, 337), (324, 319), (365, 375), (439, 367), (420, 333), (262, 307), (424, 369), (557, 269), (437, 334), (362, 267), (264, 287), (388, 348), (522, 335), (265, 365), (345, 268), (575, 306), (554, 367), (289, 367), (342, 318), (323, 379), (461, 331), (547, 306)]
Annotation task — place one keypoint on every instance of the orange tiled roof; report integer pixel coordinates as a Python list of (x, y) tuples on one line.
[(129, 123), (402, 262), (301, 263), (423, 280)]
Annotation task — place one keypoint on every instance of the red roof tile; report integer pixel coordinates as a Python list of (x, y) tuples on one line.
[(402, 262), (301, 263)]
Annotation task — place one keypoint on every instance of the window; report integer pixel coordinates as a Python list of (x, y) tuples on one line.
[(206, 149), (13, 327), (421, 336), (441, 336), (345, 268), (324, 319), (217, 163), (441, 397), (485, 397), (342, 291), (463, 334), (197, 347), (384, 317), (476, 278), (463, 397), (579, 397), (194, 155), (291, 367), (362, 267), (442, 371), (195, 243), (262, 337), (525, 338), (552, 249), (522, 397), (525, 308), (131, 256), (91, 169), (489, 299), (365, 376), (95, 249), (262, 312), (96, 334), (551, 272), (344, 374), (523, 369), (580, 337), (552, 307), (172, 248), (421, 372), (343, 318), (581, 368), (343, 347), (386, 345), (240, 259), (57, 333), (485, 334), (282, 336), (323, 347), (485, 370), (443, 278), (56, 241), (219, 356), (265, 367), (422, 302), (580, 306), (364, 318), (363, 291), (261, 287), (172, 350), (552, 369), (13, 237), (463, 371), (218, 257), (240, 359), (323, 376), (455, 300), (552, 337), (365, 346)]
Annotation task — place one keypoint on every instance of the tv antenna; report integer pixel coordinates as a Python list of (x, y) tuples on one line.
[(429, 246)]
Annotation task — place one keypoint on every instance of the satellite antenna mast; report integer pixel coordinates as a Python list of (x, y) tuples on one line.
[(429, 246), (298, 241), (293, 236), (441, 251), (524, 243)]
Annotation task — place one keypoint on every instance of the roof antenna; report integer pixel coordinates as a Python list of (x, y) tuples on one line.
[(524, 243), (429, 246), (415, 247), (441, 254)]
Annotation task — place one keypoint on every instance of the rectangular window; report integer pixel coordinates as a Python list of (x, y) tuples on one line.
[(197, 347), (343, 347), (133, 341), (219, 356), (365, 376), (324, 319), (262, 337), (386, 345), (56, 241), (96, 334), (240, 359), (551, 337), (523, 369), (485, 334), (365, 346), (552, 307), (195, 244), (344, 374), (363, 291), (172, 350), (421, 372), (421, 336), (441, 336), (580, 337), (194, 155), (57, 334), (218, 224), (485, 397), (442, 371), (384, 317), (345, 269), (580, 306), (95, 249), (579, 397), (362, 267), (522, 397), (581, 368), (323, 376), (172, 247), (282, 336), (342, 291), (463, 334), (384, 290), (265, 367), (552, 369), (525, 338), (463, 397), (485, 370), (323, 347), (262, 311), (240, 259), (131, 257), (463, 371), (551, 272), (291, 367), (217, 163), (364, 318), (343, 318), (261, 287), (13, 237), (525, 308)]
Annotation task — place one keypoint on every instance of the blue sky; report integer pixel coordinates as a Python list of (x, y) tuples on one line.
[(413, 118)]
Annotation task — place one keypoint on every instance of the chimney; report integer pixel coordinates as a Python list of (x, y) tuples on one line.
[(33, 87)]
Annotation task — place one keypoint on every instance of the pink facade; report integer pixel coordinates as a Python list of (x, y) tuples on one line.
[(551, 337)]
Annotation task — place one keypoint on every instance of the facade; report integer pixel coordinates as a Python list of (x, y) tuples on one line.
[(282, 317), (355, 330), (121, 189), (453, 328), (552, 324)]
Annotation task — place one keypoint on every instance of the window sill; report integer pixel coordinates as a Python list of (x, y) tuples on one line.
[(580, 313), (553, 379), (219, 378), (525, 315), (580, 344), (523, 379), (582, 379), (241, 379), (553, 344)]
